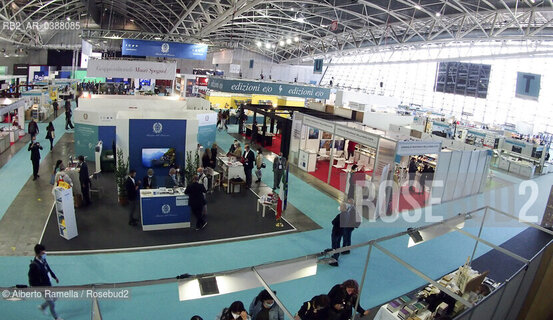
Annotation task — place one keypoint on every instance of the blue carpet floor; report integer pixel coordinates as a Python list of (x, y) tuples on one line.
[(386, 279)]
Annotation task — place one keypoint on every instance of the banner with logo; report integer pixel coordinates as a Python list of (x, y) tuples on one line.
[(268, 88), (207, 129), (132, 69), (144, 48)]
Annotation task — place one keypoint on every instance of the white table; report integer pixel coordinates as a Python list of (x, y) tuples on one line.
[(231, 170), (307, 160)]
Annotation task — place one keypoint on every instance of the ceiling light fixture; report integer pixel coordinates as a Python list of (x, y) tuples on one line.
[(258, 43), (273, 46), (288, 41), (68, 18), (438, 14), (157, 38), (131, 20), (281, 43), (296, 39), (267, 45), (418, 7)]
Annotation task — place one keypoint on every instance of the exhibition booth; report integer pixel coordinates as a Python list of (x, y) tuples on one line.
[(12, 111)]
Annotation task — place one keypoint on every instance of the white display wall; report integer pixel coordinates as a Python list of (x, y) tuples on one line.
[(410, 76)]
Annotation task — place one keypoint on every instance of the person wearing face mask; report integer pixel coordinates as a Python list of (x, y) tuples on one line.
[(131, 186), (347, 293), (149, 181), (236, 311), (35, 148), (39, 276), (172, 180), (263, 307), (315, 309)]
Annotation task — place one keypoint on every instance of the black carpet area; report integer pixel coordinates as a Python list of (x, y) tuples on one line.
[(104, 224)]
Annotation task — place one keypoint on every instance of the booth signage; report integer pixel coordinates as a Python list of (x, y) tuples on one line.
[(269, 88), (179, 50), (318, 123), (516, 143), (132, 69), (357, 135), (21, 69), (476, 133), (412, 148)]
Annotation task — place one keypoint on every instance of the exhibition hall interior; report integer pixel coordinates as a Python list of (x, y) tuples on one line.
[(271, 160)]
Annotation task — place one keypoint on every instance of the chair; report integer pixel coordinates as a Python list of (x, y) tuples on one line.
[(338, 153), (323, 155), (341, 163), (348, 168), (95, 188)]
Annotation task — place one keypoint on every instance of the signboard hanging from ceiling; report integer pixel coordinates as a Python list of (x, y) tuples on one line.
[(223, 57), (132, 69), (269, 88), (131, 47), (528, 85), (318, 66)]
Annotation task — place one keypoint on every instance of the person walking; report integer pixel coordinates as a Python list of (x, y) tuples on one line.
[(219, 119), (68, 114), (196, 201), (336, 234), (278, 169), (84, 179), (412, 173), (249, 160), (33, 128), (55, 106), (263, 307), (259, 165), (131, 186), (35, 148), (50, 134), (39, 276)]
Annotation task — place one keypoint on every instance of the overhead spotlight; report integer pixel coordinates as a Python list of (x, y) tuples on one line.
[(288, 41), (131, 20), (300, 20), (418, 7), (267, 45), (157, 38), (273, 46), (258, 43), (296, 38), (438, 14), (68, 18), (281, 43)]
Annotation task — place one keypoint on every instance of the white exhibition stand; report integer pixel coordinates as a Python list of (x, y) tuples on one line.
[(65, 213), (307, 160)]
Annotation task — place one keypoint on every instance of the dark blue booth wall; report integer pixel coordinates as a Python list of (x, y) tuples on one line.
[(155, 133)]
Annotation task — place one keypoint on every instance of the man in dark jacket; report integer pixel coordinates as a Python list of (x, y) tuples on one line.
[(33, 128), (38, 277), (68, 114), (55, 106), (413, 168), (279, 166), (84, 178), (249, 160), (336, 235), (131, 186), (35, 148), (196, 201)]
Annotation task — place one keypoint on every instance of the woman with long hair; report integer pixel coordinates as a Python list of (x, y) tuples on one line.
[(50, 135), (349, 290), (234, 312)]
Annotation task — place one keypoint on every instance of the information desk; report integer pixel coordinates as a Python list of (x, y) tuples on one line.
[(164, 209)]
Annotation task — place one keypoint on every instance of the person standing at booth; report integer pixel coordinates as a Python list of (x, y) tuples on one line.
[(55, 106), (149, 181), (196, 201), (172, 180), (131, 186), (35, 148), (412, 173), (278, 169), (84, 179), (259, 165), (249, 160), (255, 129)]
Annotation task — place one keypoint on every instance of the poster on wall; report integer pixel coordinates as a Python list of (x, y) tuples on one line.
[(313, 133), (207, 129), (327, 135), (325, 144), (132, 47), (86, 138)]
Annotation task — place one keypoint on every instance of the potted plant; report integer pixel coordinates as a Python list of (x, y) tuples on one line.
[(191, 166), (121, 171)]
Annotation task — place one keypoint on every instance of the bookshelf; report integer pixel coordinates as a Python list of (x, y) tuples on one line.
[(65, 213)]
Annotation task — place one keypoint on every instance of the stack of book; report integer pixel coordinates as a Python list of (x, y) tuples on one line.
[(406, 312), (394, 306)]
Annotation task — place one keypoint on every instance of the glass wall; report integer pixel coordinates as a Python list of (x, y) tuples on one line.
[(410, 75)]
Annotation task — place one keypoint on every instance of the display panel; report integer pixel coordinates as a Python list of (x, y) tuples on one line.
[(516, 149), (466, 79), (158, 157)]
